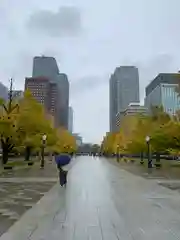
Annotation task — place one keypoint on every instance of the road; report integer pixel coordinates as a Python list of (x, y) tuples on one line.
[(102, 202)]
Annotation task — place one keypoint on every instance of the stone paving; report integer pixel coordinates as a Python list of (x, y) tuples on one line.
[(166, 172), (102, 202), (169, 178), (33, 171), (21, 189), (17, 198)]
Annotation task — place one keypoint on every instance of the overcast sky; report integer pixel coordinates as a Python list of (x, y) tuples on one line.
[(89, 40)]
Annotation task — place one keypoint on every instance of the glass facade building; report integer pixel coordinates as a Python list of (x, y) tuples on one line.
[(164, 95), (123, 89), (166, 78)]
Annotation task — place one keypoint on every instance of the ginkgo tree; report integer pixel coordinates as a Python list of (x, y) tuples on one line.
[(65, 142), (32, 124), (108, 144), (23, 124), (152, 126), (8, 125), (166, 138), (162, 129), (137, 144)]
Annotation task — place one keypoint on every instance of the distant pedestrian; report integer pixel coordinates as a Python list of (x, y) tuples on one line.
[(63, 165)]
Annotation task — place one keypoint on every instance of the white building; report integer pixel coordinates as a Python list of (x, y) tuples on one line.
[(135, 108), (18, 94), (131, 110)]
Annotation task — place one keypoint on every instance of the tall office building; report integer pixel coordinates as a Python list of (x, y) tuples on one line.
[(47, 67), (70, 120), (162, 92), (169, 78), (44, 66), (124, 89), (45, 93), (113, 103), (63, 86)]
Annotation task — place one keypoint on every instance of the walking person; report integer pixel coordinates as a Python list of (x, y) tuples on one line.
[(63, 165)]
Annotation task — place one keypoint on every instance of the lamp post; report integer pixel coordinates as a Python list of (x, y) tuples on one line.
[(149, 156), (44, 137), (117, 153)]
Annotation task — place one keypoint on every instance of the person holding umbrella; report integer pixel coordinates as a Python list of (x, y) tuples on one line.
[(63, 162)]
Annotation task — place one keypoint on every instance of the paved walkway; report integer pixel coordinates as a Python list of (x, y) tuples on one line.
[(102, 202), (29, 179)]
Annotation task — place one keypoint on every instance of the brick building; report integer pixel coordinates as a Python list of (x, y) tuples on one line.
[(45, 93), (47, 67)]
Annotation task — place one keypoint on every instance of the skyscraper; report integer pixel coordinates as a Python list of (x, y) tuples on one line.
[(70, 120), (44, 66), (63, 86), (113, 103), (47, 67), (168, 78), (45, 93), (124, 89)]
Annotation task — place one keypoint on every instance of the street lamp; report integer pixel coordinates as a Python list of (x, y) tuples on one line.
[(44, 137), (149, 157), (117, 153)]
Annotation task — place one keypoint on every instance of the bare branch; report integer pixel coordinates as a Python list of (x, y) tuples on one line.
[(13, 108), (5, 108)]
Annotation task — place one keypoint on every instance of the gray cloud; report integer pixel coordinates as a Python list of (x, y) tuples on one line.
[(159, 63), (148, 69), (65, 22), (88, 83)]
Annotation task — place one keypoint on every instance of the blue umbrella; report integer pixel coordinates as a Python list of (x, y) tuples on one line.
[(62, 159)]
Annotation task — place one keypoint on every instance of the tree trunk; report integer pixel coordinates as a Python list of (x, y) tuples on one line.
[(27, 153), (158, 160), (7, 147), (5, 154)]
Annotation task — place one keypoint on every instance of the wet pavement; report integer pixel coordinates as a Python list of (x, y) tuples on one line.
[(33, 171), (166, 172), (21, 189), (102, 202), (17, 198)]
